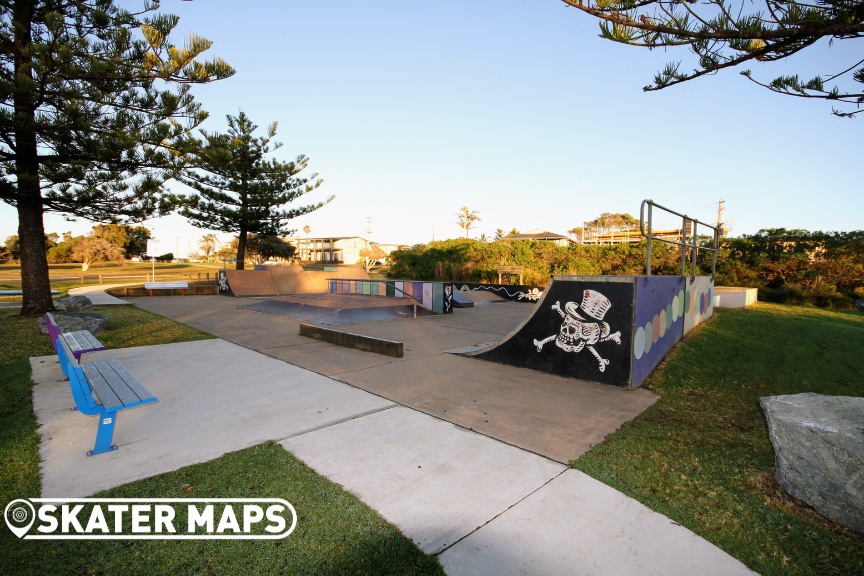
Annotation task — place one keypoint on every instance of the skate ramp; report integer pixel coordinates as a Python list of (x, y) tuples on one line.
[(250, 282), (337, 309), (279, 280), (608, 329), (471, 299)]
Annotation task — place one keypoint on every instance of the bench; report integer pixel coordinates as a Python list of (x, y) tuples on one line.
[(79, 341), (178, 285), (102, 388)]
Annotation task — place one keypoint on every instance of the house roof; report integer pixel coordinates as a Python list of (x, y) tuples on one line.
[(537, 235)]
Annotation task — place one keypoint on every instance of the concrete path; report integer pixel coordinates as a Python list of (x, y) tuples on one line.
[(484, 505), (214, 397), (97, 294)]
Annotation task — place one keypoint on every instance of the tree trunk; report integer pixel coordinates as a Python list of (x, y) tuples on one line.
[(34, 265), (241, 250), (31, 230)]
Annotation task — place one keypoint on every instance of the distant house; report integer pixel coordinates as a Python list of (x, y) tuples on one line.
[(332, 250), (388, 248), (335, 250), (541, 235)]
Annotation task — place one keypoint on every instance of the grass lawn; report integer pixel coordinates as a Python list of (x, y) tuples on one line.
[(335, 534), (701, 455)]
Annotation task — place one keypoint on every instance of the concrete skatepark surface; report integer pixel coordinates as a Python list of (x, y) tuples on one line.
[(556, 417), (335, 309), (465, 457)]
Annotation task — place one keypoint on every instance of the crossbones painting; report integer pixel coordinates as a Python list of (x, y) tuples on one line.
[(577, 332)]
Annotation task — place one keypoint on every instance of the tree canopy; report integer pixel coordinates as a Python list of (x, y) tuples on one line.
[(265, 247), (95, 249), (241, 191), (466, 219), (731, 33), (94, 106)]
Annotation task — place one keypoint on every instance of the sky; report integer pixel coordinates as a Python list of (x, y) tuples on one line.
[(515, 108)]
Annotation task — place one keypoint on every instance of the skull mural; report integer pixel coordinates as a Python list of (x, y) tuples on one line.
[(577, 332)]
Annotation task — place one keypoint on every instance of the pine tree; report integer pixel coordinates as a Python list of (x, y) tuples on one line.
[(94, 105), (240, 190), (728, 33)]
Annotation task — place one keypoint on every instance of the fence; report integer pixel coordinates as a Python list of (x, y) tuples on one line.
[(117, 278)]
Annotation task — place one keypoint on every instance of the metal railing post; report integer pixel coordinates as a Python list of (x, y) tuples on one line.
[(695, 255), (685, 242), (650, 247)]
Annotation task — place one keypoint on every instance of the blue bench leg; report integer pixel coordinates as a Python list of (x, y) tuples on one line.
[(104, 434)]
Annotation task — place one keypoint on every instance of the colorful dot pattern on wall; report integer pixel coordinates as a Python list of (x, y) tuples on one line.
[(692, 301)]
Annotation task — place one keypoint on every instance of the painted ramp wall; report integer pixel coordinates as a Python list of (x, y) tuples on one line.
[(659, 322), (699, 301), (608, 329), (582, 327), (436, 296)]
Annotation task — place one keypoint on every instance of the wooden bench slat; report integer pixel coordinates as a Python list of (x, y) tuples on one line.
[(101, 388), (117, 385), (72, 342), (104, 392), (144, 396), (120, 382), (166, 285), (78, 341), (86, 340)]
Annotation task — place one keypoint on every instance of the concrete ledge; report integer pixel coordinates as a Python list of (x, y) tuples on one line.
[(735, 297), (139, 290), (359, 341)]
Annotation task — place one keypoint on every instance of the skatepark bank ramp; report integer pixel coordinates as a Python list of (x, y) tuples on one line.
[(608, 329), (282, 280)]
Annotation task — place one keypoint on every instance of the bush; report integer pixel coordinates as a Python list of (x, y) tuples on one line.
[(795, 267)]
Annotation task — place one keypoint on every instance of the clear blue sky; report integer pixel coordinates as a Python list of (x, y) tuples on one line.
[(517, 109)]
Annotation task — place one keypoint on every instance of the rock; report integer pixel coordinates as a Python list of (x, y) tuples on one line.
[(73, 321), (859, 304), (73, 303), (819, 452)]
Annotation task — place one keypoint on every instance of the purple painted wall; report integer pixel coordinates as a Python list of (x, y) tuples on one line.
[(659, 322)]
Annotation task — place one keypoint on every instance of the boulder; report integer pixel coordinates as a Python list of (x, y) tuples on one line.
[(73, 303), (859, 304), (74, 321), (819, 452)]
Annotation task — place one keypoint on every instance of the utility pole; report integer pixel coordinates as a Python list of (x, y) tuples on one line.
[(721, 224), (368, 230)]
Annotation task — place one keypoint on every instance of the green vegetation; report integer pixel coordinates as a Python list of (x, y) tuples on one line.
[(701, 454), (341, 536), (724, 34), (335, 534), (796, 266), (117, 90), (240, 191), (824, 269)]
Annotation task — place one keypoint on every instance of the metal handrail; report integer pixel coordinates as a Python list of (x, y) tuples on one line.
[(683, 243)]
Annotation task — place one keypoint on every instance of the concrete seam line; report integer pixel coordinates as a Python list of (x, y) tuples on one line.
[(340, 421), (503, 511)]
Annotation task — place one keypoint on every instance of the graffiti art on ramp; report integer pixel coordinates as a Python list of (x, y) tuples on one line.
[(578, 329)]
